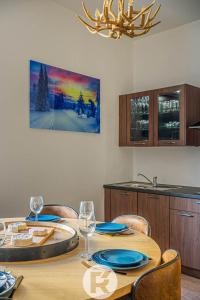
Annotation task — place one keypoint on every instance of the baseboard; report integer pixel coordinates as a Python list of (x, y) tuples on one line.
[(191, 272)]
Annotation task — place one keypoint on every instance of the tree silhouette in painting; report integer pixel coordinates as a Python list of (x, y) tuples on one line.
[(41, 103), (80, 105)]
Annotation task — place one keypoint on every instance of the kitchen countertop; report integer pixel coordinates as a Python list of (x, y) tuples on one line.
[(174, 190)]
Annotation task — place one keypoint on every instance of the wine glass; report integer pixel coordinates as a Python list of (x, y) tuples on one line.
[(87, 224), (36, 205)]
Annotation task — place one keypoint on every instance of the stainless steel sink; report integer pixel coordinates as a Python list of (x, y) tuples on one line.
[(149, 186)]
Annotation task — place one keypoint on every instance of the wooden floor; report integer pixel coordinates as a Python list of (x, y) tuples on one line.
[(190, 288)]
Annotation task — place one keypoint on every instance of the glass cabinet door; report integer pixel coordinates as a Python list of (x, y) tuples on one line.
[(140, 120), (168, 116)]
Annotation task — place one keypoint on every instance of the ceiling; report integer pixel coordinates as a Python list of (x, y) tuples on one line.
[(173, 13)]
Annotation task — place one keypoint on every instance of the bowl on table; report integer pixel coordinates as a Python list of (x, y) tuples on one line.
[(7, 283)]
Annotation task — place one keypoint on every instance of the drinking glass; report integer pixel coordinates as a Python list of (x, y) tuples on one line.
[(160, 106), (87, 224), (2, 232), (135, 106), (177, 105), (36, 205), (147, 104)]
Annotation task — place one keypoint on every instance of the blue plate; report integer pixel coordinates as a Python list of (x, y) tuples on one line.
[(96, 258), (110, 232), (44, 218), (110, 227), (121, 257)]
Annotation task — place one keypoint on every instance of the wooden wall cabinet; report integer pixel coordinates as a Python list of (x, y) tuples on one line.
[(140, 119), (160, 117)]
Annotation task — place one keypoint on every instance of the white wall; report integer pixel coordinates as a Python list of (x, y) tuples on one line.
[(65, 167), (166, 59)]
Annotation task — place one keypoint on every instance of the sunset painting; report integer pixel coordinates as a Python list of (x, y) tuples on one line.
[(63, 100)]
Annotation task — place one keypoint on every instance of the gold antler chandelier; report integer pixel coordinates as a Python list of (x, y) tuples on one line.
[(129, 22)]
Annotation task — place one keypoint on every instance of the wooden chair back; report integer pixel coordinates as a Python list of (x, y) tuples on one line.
[(59, 210), (162, 282), (135, 222)]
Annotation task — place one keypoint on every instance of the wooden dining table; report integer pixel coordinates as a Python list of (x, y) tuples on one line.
[(61, 277)]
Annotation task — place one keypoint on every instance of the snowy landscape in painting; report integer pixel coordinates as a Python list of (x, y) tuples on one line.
[(63, 100)]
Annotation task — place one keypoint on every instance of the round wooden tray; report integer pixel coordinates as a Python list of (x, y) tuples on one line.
[(63, 239)]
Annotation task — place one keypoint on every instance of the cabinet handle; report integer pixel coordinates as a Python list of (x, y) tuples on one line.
[(154, 196), (124, 194), (141, 143), (198, 202), (186, 215), (171, 142)]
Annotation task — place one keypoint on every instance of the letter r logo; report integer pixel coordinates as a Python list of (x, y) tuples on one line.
[(99, 282)]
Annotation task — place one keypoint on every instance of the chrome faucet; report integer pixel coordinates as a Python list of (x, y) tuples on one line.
[(154, 183)]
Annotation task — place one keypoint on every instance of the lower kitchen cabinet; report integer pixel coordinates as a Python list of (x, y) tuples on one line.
[(174, 221), (119, 202), (155, 209), (185, 237)]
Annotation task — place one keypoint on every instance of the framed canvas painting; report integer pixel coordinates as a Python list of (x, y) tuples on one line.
[(63, 100)]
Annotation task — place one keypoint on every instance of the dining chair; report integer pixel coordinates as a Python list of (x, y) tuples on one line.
[(162, 282), (58, 210), (135, 222)]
